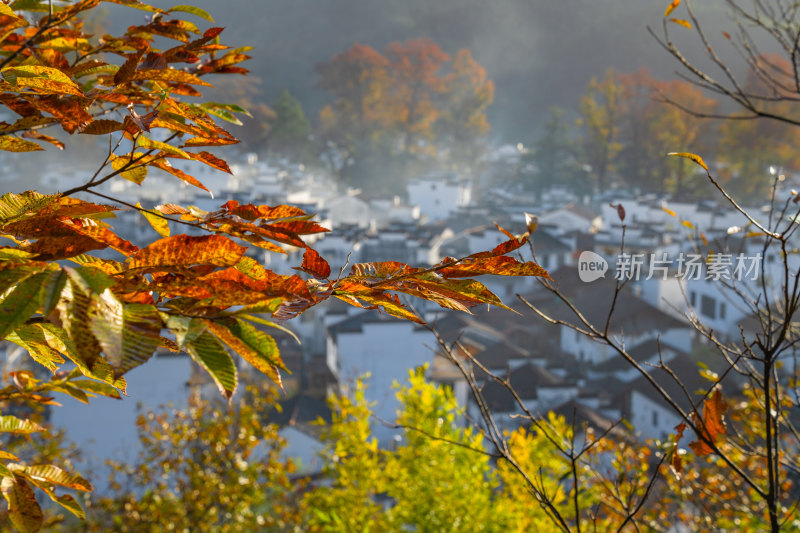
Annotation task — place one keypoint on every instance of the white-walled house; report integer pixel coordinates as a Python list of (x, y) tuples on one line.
[(439, 194), (538, 389), (348, 210), (634, 320), (385, 348), (647, 411)]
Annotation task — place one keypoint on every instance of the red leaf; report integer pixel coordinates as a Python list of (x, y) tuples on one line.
[(212, 32), (620, 211), (314, 264)]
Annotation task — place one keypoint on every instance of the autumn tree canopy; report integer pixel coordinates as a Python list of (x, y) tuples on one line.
[(406, 109)]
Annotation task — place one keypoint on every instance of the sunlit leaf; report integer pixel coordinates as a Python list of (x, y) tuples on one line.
[(685, 23), (23, 509), (54, 474), (9, 143), (693, 157), (671, 7), (183, 250), (191, 10), (12, 424), (207, 351), (711, 425)]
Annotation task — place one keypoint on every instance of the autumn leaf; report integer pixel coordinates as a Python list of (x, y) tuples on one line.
[(314, 264), (671, 7), (694, 157), (183, 250), (711, 426), (685, 23)]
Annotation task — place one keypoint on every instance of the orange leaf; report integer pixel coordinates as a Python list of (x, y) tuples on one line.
[(711, 426), (102, 235), (314, 264), (671, 7), (500, 266), (181, 175), (183, 250), (212, 161), (101, 127), (685, 23)]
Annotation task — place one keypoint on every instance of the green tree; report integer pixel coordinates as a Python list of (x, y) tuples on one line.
[(210, 466), (290, 130), (439, 479), (554, 157)]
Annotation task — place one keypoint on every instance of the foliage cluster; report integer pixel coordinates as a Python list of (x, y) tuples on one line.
[(89, 306)]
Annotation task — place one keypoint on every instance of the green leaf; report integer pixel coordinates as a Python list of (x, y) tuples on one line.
[(54, 474), (268, 323), (215, 359), (31, 338), (127, 333), (23, 302), (51, 291), (96, 387), (23, 509), (253, 345), (232, 108), (192, 10), (71, 391), (12, 424), (186, 329)]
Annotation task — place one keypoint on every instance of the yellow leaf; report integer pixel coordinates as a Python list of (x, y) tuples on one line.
[(694, 157), (671, 7), (159, 223), (146, 142), (9, 143), (670, 212), (688, 224), (682, 22)]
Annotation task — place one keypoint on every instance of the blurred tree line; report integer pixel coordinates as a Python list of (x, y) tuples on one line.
[(219, 467), (626, 123)]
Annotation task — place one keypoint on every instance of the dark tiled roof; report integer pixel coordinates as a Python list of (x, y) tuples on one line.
[(298, 410), (581, 415), (688, 373), (643, 351), (525, 381)]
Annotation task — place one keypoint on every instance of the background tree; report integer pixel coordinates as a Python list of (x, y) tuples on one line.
[(602, 109), (290, 130), (210, 465), (462, 128), (554, 158), (401, 113)]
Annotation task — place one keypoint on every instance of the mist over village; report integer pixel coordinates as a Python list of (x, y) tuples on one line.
[(347, 266)]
